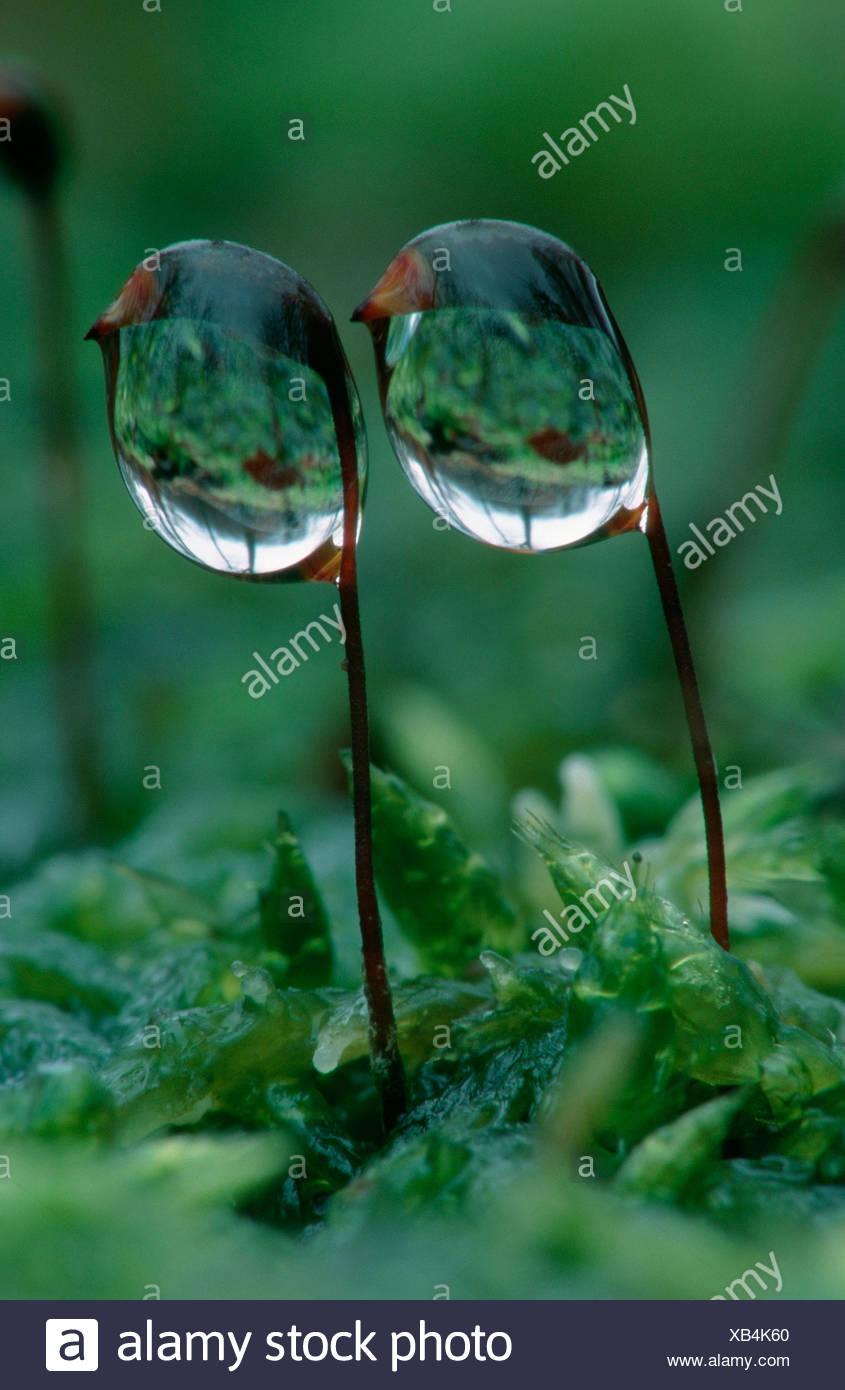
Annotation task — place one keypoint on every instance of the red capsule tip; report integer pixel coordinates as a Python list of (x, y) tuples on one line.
[(134, 304), (406, 287)]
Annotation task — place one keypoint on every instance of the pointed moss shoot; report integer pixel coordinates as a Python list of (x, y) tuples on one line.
[(515, 410), (237, 429), (32, 159)]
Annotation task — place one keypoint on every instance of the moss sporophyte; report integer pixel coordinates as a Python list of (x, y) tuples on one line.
[(237, 429), (511, 401), (32, 159), (514, 407)]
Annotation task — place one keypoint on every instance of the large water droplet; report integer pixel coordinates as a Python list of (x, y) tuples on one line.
[(508, 392), (219, 367)]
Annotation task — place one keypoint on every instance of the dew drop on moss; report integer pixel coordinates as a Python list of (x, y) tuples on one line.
[(509, 395), (216, 364)]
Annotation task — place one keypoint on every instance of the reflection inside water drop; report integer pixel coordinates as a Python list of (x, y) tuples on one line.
[(522, 431), (227, 447)]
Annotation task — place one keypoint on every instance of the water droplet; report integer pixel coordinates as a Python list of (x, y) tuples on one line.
[(508, 392), (342, 1035), (255, 983), (219, 366), (503, 974)]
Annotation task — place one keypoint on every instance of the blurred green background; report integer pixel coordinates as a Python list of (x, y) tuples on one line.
[(413, 117)]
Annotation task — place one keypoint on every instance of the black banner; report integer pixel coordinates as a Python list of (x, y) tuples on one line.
[(413, 1344)]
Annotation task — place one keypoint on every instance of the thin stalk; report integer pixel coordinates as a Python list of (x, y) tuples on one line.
[(384, 1043), (788, 345), (70, 617), (702, 751)]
